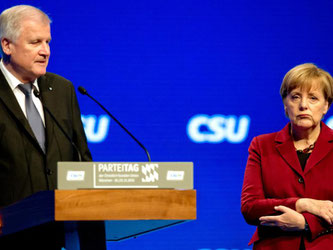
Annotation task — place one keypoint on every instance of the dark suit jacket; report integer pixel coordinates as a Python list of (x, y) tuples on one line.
[(24, 168), (274, 176)]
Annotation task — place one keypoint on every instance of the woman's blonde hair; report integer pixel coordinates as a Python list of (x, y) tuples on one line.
[(303, 76)]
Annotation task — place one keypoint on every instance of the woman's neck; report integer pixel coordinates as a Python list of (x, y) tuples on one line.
[(303, 138)]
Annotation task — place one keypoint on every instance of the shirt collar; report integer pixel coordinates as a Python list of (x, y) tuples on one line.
[(11, 79)]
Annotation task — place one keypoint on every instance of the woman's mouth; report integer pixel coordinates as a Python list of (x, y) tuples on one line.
[(303, 116)]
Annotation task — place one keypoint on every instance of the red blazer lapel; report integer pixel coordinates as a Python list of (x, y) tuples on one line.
[(323, 146), (286, 148)]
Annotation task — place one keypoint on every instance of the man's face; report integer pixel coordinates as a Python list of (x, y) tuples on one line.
[(29, 53)]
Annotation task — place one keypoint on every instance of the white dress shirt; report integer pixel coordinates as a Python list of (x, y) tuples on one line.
[(13, 83)]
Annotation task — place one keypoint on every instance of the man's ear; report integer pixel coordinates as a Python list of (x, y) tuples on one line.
[(6, 46)]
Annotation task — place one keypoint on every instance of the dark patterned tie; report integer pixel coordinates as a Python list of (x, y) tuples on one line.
[(33, 116)]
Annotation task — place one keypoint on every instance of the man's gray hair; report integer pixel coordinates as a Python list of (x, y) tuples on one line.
[(10, 20)]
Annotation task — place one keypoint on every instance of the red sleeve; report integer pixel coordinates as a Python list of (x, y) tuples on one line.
[(253, 201), (317, 226)]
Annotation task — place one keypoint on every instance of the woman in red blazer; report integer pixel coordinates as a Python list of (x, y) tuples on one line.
[(288, 184)]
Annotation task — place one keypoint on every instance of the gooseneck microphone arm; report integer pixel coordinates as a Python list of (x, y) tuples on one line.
[(83, 91), (37, 94)]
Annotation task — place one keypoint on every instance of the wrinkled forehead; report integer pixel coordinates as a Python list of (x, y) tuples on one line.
[(31, 27)]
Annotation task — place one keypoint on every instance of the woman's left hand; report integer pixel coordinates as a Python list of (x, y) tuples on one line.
[(289, 220)]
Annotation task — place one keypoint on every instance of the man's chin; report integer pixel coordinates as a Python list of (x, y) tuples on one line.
[(40, 73), (32, 77)]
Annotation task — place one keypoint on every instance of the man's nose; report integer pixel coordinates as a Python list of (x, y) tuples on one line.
[(45, 49)]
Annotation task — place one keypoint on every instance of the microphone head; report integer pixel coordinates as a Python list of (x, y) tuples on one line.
[(82, 90), (36, 93)]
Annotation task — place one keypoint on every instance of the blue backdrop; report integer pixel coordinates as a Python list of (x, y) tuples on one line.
[(194, 81)]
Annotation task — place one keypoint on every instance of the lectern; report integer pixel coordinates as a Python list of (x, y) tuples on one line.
[(108, 201), (124, 213)]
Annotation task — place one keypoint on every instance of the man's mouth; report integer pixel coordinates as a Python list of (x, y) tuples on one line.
[(41, 62)]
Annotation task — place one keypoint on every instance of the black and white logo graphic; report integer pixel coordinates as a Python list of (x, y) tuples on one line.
[(149, 172)]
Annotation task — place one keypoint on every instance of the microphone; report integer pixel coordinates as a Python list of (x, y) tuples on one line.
[(37, 94), (83, 91)]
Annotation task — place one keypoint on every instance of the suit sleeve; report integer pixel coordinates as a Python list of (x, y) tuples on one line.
[(79, 136), (317, 226), (254, 204)]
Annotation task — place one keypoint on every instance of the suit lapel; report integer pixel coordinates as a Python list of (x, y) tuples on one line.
[(285, 146), (323, 146), (46, 96), (9, 100)]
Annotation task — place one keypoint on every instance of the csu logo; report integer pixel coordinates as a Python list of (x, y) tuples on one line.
[(217, 128), (96, 128)]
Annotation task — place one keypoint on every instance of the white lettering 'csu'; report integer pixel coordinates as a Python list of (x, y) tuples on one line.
[(96, 128), (217, 128)]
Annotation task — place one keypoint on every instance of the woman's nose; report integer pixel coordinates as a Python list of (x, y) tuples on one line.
[(303, 104)]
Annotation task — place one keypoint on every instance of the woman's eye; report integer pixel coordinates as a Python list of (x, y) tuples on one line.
[(294, 97)]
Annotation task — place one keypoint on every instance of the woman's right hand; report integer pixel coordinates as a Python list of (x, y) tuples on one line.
[(321, 208)]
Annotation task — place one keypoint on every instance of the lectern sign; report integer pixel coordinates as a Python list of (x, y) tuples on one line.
[(125, 173), (83, 175)]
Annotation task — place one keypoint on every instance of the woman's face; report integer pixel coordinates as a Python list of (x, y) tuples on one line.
[(305, 108)]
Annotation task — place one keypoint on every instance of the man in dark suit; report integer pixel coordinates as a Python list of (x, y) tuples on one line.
[(29, 155)]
